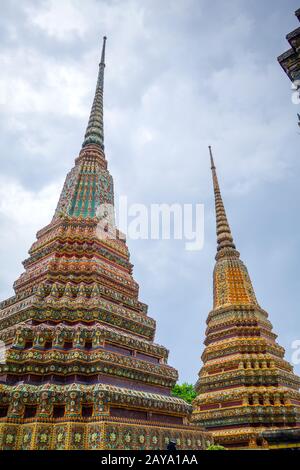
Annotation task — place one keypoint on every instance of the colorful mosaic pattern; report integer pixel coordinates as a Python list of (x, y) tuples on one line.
[(245, 385), (102, 435)]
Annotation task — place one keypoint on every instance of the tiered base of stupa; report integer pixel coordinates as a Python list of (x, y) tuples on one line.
[(246, 387), (82, 370), (88, 385), (100, 433)]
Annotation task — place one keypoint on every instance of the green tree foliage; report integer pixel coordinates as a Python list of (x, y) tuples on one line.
[(215, 447), (185, 391)]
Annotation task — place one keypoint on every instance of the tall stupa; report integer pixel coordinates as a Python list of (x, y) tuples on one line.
[(82, 370), (245, 386)]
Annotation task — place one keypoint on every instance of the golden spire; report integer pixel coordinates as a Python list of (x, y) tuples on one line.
[(232, 284), (224, 237)]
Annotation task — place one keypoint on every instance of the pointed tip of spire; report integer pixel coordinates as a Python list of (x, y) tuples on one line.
[(211, 158), (103, 51)]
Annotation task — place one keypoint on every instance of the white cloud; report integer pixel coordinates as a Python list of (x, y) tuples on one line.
[(22, 207), (41, 85), (61, 19), (22, 214)]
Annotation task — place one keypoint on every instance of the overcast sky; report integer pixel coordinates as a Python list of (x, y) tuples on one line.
[(180, 75)]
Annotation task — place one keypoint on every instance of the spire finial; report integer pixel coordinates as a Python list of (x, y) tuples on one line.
[(103, 51), (224, 237), (95, 130), (211, 158)]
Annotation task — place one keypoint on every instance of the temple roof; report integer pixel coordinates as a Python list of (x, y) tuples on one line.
[(289, 60), (293, 34)]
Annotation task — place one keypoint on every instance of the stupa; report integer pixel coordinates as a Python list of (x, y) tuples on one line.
[(82, 370), (245, 387)]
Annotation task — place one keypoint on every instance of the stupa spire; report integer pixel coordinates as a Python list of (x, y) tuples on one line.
[(95, 130), (225, 244)]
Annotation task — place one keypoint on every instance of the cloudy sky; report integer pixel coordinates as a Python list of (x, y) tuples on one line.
[(180, 75)]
